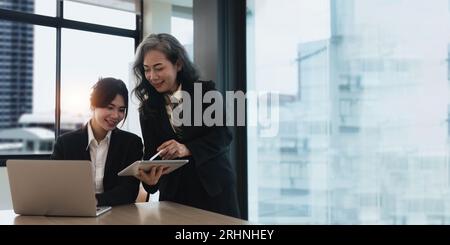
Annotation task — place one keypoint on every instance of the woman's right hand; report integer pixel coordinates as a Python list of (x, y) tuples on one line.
[(152, 176)]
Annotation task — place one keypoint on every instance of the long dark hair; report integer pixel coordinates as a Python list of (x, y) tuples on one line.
[(105, 90), (174, 52)]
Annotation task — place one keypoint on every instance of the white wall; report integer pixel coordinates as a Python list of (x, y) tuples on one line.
[(5, 196)]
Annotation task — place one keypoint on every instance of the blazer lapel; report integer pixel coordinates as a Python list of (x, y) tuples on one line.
[(168, 133), (186, 136), (84, 142), (113, 144)]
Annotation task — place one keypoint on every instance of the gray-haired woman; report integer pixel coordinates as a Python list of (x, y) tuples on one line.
[(165, 74)]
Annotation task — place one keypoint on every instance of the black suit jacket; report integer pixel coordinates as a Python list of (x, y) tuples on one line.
[(208, 181), (124, 149)]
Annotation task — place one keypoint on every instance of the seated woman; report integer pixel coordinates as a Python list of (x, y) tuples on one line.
[(108, 148)]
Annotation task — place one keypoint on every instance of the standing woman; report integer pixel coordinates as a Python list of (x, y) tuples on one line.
[(163, 70), (109, 148)]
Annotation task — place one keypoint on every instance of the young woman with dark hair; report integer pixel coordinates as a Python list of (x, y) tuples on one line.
[(108, 148)]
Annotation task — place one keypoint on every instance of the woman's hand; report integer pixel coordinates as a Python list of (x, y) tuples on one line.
[(171, 149), (152, 176)]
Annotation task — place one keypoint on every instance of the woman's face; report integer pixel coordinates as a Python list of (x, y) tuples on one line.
[(160, 72), (107, 119)]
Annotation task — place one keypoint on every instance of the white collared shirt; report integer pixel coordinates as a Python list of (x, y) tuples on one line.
[(98, 152), (176, 96)]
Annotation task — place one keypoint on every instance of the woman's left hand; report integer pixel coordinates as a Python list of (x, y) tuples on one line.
[(171, 149)]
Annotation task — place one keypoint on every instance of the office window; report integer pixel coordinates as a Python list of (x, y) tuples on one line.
[(448, 120), (82, 67), (41, 7), (182, 25), (29, 66), (27, 75), (373, 111), (118, 14)]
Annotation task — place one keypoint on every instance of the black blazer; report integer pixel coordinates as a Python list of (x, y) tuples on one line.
[(124, 149), (208, 181)]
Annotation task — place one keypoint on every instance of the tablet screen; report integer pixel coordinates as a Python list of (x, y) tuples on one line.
[(133, 169)]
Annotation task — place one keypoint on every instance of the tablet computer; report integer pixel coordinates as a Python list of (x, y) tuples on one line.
[(133, 169)]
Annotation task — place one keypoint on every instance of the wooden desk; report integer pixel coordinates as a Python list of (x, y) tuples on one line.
[(149, 213)]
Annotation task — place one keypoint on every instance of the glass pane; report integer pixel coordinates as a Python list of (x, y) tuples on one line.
[(100, 56), (174, 17), (27, 88), (183, 30), (363, 124), (182, 24), (42, 7), (99, 15)]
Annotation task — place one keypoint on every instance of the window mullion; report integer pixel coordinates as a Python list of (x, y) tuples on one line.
[(59, 13)]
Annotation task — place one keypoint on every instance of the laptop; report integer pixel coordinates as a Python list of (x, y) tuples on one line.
[(53, 188)]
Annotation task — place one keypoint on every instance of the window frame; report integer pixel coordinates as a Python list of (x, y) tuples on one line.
[(58, 22)]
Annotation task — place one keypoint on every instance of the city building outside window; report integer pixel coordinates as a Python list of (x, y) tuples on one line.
[(372, 106)]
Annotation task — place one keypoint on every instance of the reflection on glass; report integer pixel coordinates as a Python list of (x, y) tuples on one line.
[(368, 141)]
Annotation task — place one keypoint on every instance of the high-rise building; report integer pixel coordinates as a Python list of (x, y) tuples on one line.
[(364, 142), (16, 65)]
